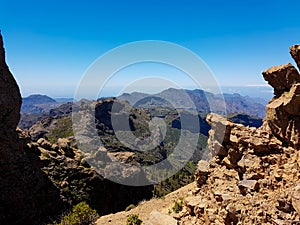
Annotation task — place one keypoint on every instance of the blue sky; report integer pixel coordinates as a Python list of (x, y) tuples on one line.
[(50, 44)]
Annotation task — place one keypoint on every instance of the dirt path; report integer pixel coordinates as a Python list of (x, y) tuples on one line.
[(144, 209)]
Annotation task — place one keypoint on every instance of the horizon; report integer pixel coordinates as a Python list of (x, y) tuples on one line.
[(261, 92), (50, 46)]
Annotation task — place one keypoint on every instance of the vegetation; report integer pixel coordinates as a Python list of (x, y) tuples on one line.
[(178, 180), (130, 207), (178, 205), (81, 214), (63, 129), (134, 220)]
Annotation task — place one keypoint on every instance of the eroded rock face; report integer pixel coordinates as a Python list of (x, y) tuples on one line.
[(295, 52), (283, 111), (10, 101), (26, 194), (253, 176), (282, 78)]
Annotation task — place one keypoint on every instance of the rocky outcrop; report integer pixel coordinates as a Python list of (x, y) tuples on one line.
[(295, 52), (281, 78), (253, 176), (283, 111), (76, 181), (26, 194)]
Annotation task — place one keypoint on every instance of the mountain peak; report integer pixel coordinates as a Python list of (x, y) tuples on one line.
[(2, 51)]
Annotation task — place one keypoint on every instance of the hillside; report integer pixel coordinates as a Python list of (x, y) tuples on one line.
[(252, 175)]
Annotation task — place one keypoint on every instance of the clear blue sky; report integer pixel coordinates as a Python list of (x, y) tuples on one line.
[(50, 44)]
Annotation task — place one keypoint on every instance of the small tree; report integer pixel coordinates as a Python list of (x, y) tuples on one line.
[(134, 220), (81, 214)]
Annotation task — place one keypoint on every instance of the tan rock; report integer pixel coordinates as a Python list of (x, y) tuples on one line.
[(296, 199), (282, 116), (202, 172), (295, 53), (157, 218), (281, 78), (248, 186)]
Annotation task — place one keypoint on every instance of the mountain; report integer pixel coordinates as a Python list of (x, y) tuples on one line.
[(251, 175), (202, 101), (27, 195), (37, 99), (35, 107), (36, 104)]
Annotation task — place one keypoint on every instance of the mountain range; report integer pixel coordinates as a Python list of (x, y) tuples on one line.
[(200, 100)]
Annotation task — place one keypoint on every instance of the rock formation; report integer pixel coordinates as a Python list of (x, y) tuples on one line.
[(26, 194), (253, 175), (283, 111), (77, 181)]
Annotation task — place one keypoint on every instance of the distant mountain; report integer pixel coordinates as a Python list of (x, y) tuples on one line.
[(203, 101), (64, 100), (36, 104), (58, 110), (37, 99), (35, 107)]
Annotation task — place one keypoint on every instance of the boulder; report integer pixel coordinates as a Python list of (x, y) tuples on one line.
[(202, 172), (281, 78)]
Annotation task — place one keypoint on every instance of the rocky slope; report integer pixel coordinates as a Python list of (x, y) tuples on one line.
[(76, 181), (252, 175), (26, 194)]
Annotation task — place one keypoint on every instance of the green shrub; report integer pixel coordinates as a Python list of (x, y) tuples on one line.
[(130, 207), (178, 205), (63, 129), (134, 220), (81, 214)]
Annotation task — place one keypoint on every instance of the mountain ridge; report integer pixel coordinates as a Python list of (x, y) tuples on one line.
[(203, 101)]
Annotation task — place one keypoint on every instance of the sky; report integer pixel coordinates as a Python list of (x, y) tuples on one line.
[(50, 45)]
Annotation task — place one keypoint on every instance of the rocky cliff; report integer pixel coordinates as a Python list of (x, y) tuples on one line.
[(252, 174), (26, 194)]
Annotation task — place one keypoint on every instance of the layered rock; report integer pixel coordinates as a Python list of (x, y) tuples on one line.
[(26, 194)]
